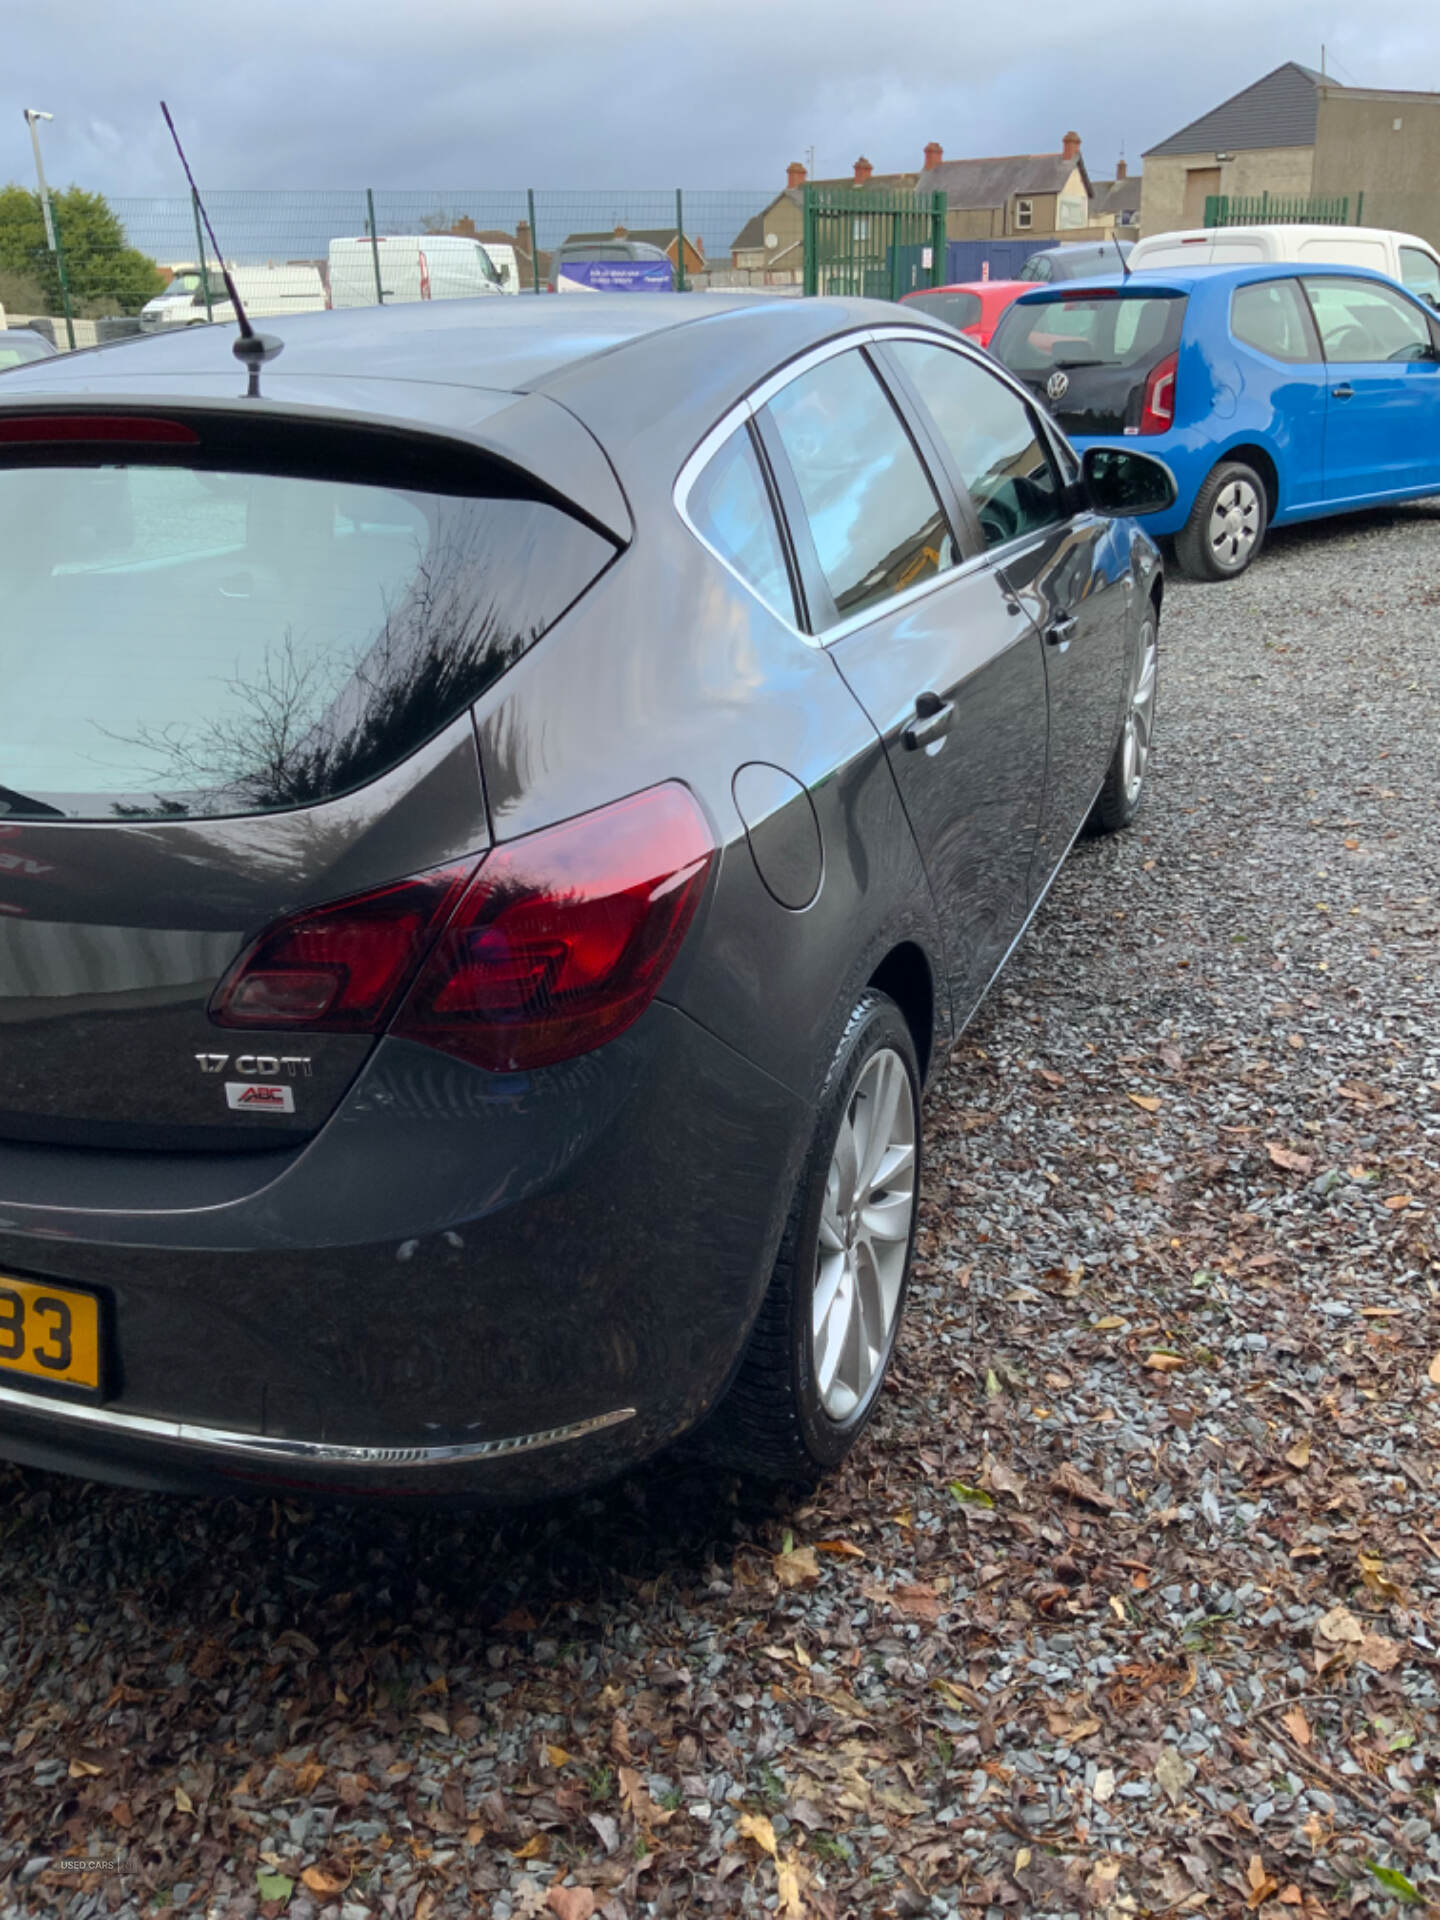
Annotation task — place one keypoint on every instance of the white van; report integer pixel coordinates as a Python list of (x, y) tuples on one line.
[(413, 266), (268, 292), (1404, 256)]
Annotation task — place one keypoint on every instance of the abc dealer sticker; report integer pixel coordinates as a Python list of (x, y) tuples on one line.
[(251, 1096)]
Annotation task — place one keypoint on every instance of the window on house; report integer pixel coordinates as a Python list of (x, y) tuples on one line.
[(1024, 213)]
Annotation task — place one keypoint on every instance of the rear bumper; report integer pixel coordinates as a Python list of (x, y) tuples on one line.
[(467, 1284)]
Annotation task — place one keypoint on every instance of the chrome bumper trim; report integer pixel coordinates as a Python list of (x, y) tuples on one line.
[(317, 1453)]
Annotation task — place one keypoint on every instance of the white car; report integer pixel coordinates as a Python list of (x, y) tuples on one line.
[(411, 266), (1404, 256)]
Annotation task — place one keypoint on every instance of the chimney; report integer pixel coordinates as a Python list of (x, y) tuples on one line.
[(795, 174), (1122, 170), (934, 154), (863, 171), (1070, 146)]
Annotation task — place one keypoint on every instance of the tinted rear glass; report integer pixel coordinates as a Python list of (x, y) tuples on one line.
[(960, 309), (184, 642), (1103, 344)]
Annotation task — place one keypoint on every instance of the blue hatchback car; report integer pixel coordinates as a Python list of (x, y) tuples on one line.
[(1273, 393)]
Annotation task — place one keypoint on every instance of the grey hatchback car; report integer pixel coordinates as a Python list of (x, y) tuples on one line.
[(495, 828)]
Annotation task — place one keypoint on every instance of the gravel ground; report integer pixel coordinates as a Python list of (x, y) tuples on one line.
[(1128, 1605)]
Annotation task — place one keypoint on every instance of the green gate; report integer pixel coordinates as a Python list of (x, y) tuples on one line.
[(866, 240)]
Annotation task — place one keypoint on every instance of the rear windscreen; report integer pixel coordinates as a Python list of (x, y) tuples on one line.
[(960, 309), (1104, 345), (186, 642)]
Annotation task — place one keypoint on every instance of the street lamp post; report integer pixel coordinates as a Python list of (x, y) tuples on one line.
[(33, 117)]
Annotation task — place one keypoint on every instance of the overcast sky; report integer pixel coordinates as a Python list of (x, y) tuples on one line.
[(555, 93)]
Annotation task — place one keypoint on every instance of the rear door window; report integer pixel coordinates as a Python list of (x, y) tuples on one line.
[(1272, 317), (992, 438), (729, 507), (872, 513), (1363, 320), (182, 643)]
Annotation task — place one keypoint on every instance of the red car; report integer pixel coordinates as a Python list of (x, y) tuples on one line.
[(974, 306)]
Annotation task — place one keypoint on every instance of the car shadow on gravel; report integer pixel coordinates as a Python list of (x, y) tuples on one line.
[(283, 1563), (1320, 537)]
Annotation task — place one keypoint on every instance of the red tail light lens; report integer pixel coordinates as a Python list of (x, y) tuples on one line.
[(1157, 412), (562, 938), (340, 968)]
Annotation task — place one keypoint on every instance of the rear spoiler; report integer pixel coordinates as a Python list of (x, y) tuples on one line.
[(538, 439), (1137, 287)]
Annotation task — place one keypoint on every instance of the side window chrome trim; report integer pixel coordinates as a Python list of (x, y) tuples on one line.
[(745, 410)]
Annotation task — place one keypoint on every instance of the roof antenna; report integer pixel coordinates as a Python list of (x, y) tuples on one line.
[(251, 349), (1125, 267)]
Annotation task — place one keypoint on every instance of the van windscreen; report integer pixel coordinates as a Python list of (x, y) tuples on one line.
[(179, 642)]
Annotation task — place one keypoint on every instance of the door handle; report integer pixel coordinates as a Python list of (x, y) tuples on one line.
[(931, 723), (1061, 631), (1343, 392)]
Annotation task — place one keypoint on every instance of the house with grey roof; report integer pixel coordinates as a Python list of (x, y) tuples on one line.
[(1117, 201), (1297, 135), (1044, 196)]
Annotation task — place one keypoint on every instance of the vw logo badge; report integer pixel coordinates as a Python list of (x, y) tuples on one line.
[(1058, 385)]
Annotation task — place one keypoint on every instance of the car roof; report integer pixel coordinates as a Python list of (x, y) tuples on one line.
[(968, 286), (1186, 279)]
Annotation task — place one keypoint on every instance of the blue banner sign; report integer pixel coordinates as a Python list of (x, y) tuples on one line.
[(616, 276)]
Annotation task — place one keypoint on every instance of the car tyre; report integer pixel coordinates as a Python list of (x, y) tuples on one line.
[(1119, 798), (1227, 524), (809, 1379)]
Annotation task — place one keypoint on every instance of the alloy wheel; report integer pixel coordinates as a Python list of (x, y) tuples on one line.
[(864, 1234), (1234, 524)]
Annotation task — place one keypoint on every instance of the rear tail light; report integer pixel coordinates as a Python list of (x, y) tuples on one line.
[(562, 938), (1157, 410), (544, 949), (340, 968)]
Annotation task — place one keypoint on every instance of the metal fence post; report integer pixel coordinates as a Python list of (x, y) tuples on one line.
[(64, 281), (200, 254), (534, 242), (1359, 208), (374, 247), (812, 265), (938, 238), (679, 243)]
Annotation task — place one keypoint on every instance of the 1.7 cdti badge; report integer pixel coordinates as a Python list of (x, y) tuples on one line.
[(255, 1096)]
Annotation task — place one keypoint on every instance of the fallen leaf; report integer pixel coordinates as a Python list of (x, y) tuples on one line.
[(572, 1903), (1394, 1882), (1340, 1627), (1379, 1653), (798, 1568), (1297, 1726), (1023, 1857), (1174, 1774), (1291, 1896), (1070, 1480), (1117, 1607), (436, 1722), (82, 1769), (1104, 1787), (1170, 1056), (919, 1602), (608, 1829), (999, 1478), (325, 1879), (274, 1886), (557, 1756), (308, 1777), (1108, 1322), (788, 1883), (971, 1496), (533, 1849), (993, 1389), (1287, 1157), (518, 1620), (1397, 1201), (755, 1826), (845, 1547), (1372, 1572), (1165, 1362), (1379, 1313), (1145, 1101), (1299, 1454), (183, 1802), (1261, 1884)]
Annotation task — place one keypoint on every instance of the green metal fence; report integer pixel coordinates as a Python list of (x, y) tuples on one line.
[(873, 241), (1282, 210)]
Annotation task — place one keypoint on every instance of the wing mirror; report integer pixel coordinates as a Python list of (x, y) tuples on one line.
[(1122, 480)]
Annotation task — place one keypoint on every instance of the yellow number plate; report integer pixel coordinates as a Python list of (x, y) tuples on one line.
[(50, 1333)]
